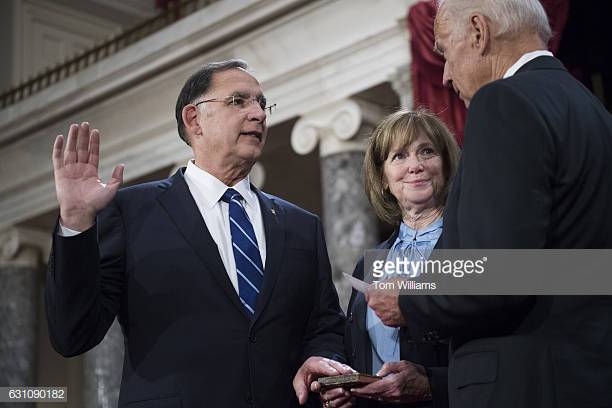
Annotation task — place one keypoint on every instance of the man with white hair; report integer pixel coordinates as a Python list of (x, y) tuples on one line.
[(534, 174)]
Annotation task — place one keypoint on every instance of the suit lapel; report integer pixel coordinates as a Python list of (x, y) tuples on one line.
[(183, 211), (360, 315), (361, 310), (273, 220)]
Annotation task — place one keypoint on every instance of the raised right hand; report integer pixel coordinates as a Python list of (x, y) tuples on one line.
[(80, 192)]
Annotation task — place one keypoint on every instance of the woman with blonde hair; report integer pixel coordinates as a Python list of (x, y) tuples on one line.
[(410, 160)]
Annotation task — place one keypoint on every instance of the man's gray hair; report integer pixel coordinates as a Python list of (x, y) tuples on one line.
[(512, 17), (197, 85)]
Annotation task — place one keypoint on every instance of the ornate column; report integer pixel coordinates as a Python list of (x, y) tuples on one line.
[(340, 130), (102, 368), (402, 85), (20, 266)]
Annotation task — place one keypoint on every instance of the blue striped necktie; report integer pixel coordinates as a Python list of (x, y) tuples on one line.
[(249, 267)]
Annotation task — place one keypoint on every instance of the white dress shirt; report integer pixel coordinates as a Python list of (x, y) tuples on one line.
[(207, 191), (525, 59)]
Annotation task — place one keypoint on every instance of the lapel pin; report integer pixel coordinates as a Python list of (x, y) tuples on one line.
[(273, 211)]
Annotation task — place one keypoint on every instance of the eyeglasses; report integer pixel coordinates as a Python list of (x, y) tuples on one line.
[(240, 103)]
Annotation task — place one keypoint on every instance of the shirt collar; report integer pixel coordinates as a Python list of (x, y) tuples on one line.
[(406, 233), (213, 188), (525, 59)]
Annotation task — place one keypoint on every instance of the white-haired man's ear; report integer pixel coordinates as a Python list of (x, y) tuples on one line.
[(480, 33)]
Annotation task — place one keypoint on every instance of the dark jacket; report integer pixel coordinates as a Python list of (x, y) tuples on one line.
[(416, 345), (189, 343), (535, 173)]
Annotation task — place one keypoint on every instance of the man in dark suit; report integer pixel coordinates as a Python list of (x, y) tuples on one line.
[(534, 174), (224, 293)]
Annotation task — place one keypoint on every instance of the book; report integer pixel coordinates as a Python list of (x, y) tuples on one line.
[(347, 380)]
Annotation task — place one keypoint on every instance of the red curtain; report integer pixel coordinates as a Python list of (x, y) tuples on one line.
[(427, 66), (558, 12)]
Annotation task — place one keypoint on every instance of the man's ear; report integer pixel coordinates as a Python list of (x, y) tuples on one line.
[(480, 33), (190, 120)]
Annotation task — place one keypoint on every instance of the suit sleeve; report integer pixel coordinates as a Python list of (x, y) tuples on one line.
[(454, 315), (325, 328), (85, 281), (505, 200)]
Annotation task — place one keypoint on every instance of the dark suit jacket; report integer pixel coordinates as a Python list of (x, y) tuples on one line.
[(416, 345), (151, 262), (535, 173)]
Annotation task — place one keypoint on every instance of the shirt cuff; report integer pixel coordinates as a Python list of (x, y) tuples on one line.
[(65, 231)]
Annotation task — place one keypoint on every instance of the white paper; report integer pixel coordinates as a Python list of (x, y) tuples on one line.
[(357, 284)]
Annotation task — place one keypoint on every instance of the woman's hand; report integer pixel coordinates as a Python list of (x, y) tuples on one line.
[(334, 397), (403, 382)]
